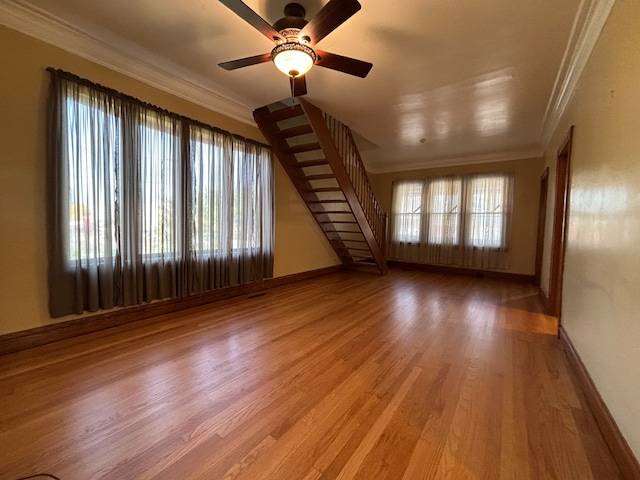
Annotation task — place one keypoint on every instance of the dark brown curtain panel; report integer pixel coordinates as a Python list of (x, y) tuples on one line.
[(143, 204)]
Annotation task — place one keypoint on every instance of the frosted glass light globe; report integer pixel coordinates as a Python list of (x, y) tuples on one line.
[(293, 59)]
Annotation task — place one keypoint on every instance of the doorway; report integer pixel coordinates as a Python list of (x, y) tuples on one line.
[(560, 226), (542, 218)]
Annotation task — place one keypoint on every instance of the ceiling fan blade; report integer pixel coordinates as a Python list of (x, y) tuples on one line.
[(330, 17), (343, 64), (252, 18), (245, 62), (298, 86)]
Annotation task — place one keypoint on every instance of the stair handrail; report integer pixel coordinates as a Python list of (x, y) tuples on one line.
[(346, 145)]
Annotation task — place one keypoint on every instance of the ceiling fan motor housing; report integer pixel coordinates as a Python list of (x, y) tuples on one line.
[(293, 19)]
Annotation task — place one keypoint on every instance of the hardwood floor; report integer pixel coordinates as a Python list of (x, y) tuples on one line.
[(414, 375)]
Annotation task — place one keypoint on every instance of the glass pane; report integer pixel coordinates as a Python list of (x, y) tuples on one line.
[(92, 147), (444, 211), (487, 211), (407, 211), (159, 149)]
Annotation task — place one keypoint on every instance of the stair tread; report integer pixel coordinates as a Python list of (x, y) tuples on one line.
[(309, 163), (306, 147), (331, 222), (334, 212), (323, 176), (294, 131), (283, 114), (324, 189), (352, 241)]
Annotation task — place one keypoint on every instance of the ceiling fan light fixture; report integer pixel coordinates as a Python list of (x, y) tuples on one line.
[(293, 59)]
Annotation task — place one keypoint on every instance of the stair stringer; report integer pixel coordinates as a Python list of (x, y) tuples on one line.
[(268, 121)]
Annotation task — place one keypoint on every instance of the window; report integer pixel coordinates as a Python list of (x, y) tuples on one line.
[(93, 144), (144, 204), (160, 175), (456, 220), (487, 211), (444, 211), (407, 211)]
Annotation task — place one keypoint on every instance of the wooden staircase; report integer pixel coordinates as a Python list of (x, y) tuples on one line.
[(321, 158)]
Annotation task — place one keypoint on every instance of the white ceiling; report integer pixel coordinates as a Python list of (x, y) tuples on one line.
[(453, 81)]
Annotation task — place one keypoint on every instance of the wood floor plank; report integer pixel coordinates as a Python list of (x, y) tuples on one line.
[(414, 375)]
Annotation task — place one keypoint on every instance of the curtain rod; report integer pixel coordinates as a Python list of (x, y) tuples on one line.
[(128, 98)]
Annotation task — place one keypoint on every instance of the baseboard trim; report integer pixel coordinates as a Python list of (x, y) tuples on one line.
[(624, 457), (34, 337), (516, 277)]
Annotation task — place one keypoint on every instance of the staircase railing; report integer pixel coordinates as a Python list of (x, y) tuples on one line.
[(350, 155)]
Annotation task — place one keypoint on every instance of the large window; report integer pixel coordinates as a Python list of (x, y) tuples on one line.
[(407, 211), (443, 202), (488, 211), (145, 204), (457, 220)]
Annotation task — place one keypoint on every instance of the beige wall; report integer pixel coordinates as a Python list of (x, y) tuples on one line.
[(525, 208), (300, 245), (601, 301)]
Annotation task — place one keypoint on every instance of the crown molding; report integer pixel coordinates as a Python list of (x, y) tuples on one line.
[(40, 24), (587, 26), (424, 164)]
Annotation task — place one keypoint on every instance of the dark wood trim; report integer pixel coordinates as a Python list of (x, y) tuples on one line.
[(331, 153), (34, 337), (560, 218), (624, 457), (266, 123), (516, 277), (542, 218)]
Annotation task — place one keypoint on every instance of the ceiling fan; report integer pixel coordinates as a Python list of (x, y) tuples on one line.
[(295, 38)]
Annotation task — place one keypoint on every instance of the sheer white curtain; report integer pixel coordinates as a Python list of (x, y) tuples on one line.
[(406, 218), (488, 209), (442, 228), (144, 204), (453, 220)]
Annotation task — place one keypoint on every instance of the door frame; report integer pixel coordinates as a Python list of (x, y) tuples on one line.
[(560, 225), (542, 218)]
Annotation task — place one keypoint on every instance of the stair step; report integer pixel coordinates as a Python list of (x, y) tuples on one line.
[(310, 163), (283, 114), (326, 201), (333, 212), (307, 147), (320, 177), (325, 189), (338, 237), (294, 131), (335, 221)]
